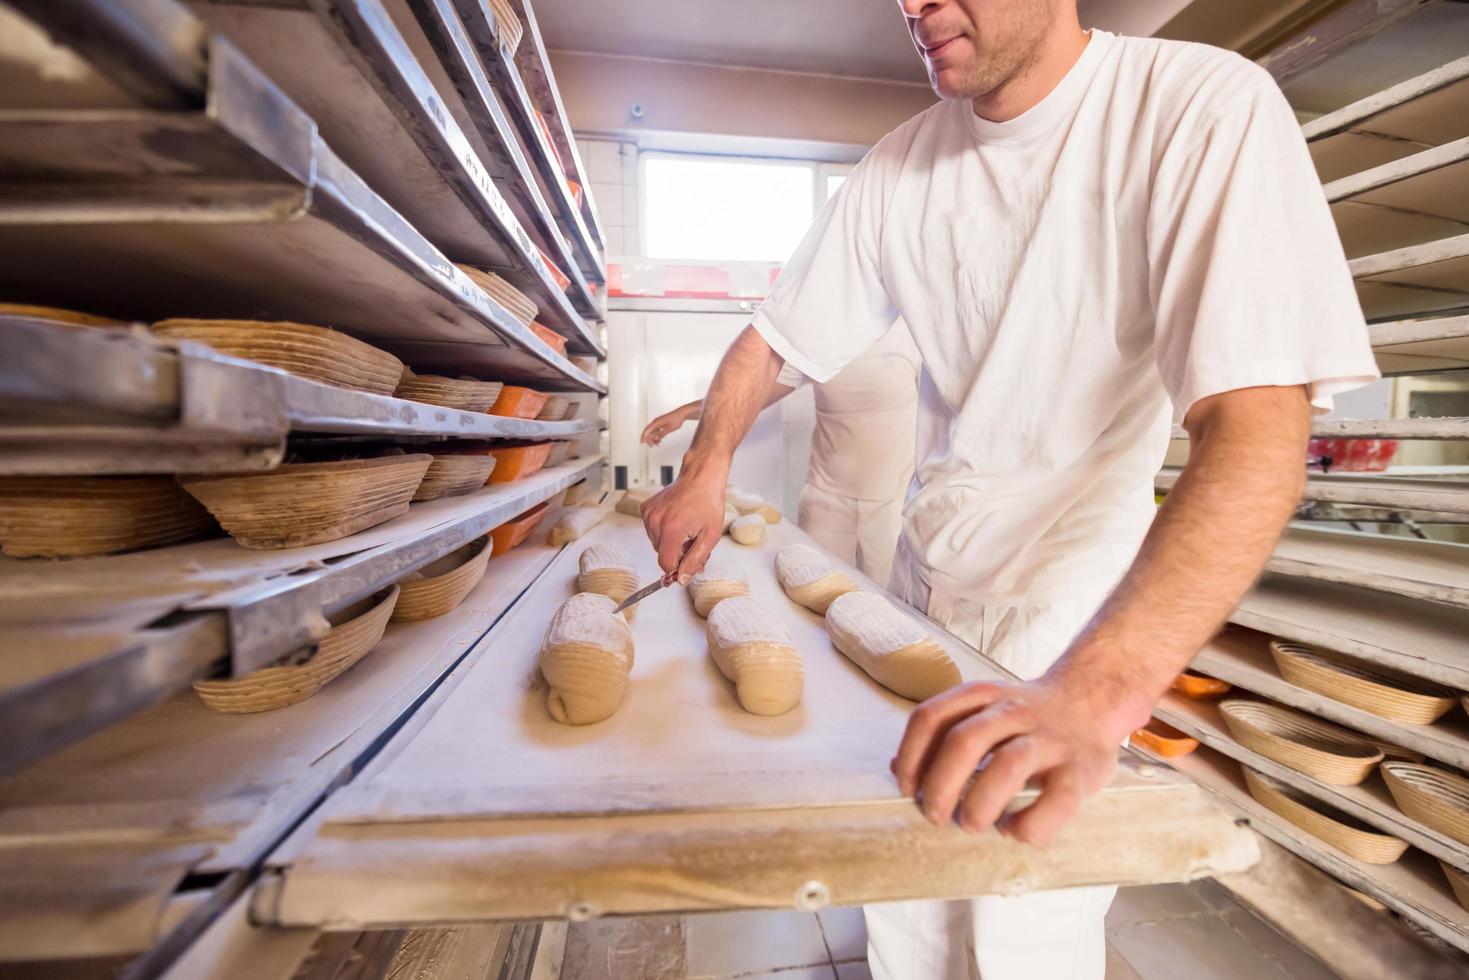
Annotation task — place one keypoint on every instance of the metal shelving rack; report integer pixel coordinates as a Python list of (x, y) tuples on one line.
[(1395, 167), (202, 161)]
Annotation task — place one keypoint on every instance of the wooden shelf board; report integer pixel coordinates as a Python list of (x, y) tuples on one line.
[(1370, 490), (1437, 571)]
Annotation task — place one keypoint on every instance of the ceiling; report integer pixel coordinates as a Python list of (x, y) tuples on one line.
[(858, 38)]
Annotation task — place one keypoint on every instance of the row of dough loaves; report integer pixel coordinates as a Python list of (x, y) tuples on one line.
[(746, 515)]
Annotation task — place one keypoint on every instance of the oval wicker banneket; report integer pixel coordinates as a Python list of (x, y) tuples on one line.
[(1342, 831), (287, 684), (1458, 883), (73, 517), (444, 583), (1434, 797), (308, 503), (455, 474), (302, 349), (1381, 692), (464, 394), (1306, 744)]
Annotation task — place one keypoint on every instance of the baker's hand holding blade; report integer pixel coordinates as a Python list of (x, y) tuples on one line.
[(685, 521), (653, 586)]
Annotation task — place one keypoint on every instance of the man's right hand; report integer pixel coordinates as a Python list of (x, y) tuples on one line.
[(689, 511)]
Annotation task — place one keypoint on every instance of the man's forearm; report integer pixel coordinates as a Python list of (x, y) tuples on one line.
[(1207, 545), (742, 388)]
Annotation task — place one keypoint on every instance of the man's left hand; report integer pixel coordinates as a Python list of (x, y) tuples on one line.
[(1051, 730)]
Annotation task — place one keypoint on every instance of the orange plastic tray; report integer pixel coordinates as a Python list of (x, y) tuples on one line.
[(562, 280), (518, 462), (557, 342), (1198, 687), (513, 532), (1164, 740), (574, 189), (518, 403)]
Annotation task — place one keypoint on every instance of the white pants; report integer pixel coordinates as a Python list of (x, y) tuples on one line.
[(1054, 935), (863, 533)]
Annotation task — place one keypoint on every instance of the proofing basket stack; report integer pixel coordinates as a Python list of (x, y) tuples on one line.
[(318, 353)]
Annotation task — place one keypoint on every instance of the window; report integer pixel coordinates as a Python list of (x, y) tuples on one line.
[(733, 208)]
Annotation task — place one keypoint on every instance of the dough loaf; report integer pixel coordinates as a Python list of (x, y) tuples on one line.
[(574, 524), (748, 529), (586, 657), (752, 648), (720, 579), (751, 503), (811, 578), (891, 647), (607, 570), (730, 516), (633, 499)]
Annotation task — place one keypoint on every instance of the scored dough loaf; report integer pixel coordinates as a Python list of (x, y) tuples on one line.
[(810, 578), (893, 649), (574, 524), (748, 529), (752, 649), (751, 503), (631, 500), (720, 579), (586, 657), (606, 569)]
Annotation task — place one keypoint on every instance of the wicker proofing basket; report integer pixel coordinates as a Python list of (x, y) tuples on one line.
[(454, 474), (464, 394), (1342, 831), (1381, 692), (318, 353), (1458, 881), (444, 583), (554, 408), (308, 503), (515, 302), (1434, 797), (509, 24), (1320, 750), (72, 318), (73, 517), (277, 687)]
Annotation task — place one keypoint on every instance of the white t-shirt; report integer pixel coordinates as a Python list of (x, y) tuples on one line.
[(866, 417), (1150, 232)]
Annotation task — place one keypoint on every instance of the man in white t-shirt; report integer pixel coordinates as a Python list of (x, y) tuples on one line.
[(861, 450), (1092, 237)]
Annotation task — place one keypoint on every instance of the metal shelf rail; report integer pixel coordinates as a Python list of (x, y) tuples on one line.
[(240, 209), (350, 66), (154, 621), (1449, 498), (115, 401)]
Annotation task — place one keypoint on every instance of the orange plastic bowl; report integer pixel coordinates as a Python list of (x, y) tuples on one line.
[(553, 339), (515, 531), (518, 462), (516, 402), (1164, 740), (1198, 687)]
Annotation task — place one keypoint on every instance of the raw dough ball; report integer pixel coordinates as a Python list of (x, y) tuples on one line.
[(748, 529), (720, 579), (752, 648), (751, 503), (586, 657), (811, 578), (607, 569), (730, 516), (890, 646)]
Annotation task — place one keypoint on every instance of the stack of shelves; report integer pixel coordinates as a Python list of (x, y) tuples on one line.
[(338, 163), (1396, 170)]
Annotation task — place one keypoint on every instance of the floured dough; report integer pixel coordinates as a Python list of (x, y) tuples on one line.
[(574, 524), (752, 648), (631, 500), (720, 579), (751, 503), (891, 647), (811, 578), (730, 516), (748, 529), (606, 569), (586, 657)]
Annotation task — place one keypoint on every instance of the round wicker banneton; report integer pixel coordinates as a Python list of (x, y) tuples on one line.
[(56, 314), (1458, 882), (465, 394), (453, 474), (308, 503), (1434, 797), (441, 585), (360, 629), (1308, 745), (318, 353), (1342, 831), (1382, 692), (73, 517)]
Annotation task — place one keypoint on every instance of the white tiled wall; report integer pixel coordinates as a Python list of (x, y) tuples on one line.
[(612, 168)]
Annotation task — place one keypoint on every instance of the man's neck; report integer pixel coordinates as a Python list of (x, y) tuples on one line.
[(1058, 51)]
